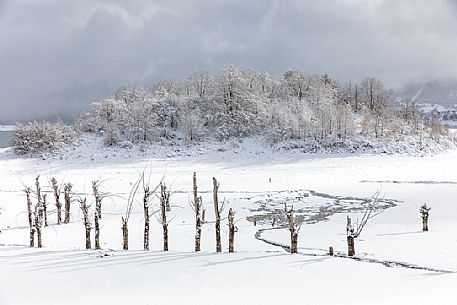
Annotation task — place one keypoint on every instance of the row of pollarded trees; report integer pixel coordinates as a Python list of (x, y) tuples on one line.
[(38, 212)]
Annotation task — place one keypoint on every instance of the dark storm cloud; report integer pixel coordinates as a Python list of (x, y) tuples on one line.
[(58, 56)]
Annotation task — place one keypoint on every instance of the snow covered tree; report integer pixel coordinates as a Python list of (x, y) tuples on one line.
[(41, 137)]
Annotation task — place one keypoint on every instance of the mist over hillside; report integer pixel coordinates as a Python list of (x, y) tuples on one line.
[(443, 92)]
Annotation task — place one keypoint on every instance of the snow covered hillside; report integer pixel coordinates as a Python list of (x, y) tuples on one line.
[(395, 263)]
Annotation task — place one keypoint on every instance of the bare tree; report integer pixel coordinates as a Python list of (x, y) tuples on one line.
[(197, 207), (353, 232), (38, 222), (425, 212), (293, 228), (98, 211), (41, 200), (30, 217), (146, 194), (98, 197), (56, 191), (86, 220), (217, 212), (164, 201), (232, 230), (128, 212), (45, 210), (67, 197)]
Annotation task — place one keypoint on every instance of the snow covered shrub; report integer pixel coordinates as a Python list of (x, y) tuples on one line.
[(39, 137)]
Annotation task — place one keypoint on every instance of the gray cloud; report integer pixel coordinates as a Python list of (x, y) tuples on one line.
[(58, 56)]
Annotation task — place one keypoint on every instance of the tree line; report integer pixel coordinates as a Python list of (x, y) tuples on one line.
[(234, 102)]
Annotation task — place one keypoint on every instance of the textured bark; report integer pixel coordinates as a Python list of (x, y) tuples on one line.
[(56, 191), (38, 223), (164, 198), (97, 229), (232, 229), (45, 210), (351, 245), (217, 212), (67, 198), (293, 232), (38, 188), (198, 215), (30, 218), (146, 218), (125, 234), (425, 223), (294, 243), (98, 198), (86, 221)]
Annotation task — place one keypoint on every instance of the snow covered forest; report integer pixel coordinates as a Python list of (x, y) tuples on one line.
[(239, 103)]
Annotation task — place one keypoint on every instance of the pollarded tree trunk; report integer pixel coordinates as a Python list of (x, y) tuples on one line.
[(86, 221), (198, 215), (164, 199), (98, 212), (165, 237), (38, 223), (41, 202), (98, 198), (125, 234), (425, 212), (217, 212), (97, 229), (45, 210), (351, 245), (67, 198), (146, 217), (30, 217), (294, 243), (293, 231), (425, 223), (232, 229), (56, 191), (198, 224), (350, 232)]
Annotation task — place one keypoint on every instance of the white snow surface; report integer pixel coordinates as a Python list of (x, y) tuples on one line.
[(258, 273)]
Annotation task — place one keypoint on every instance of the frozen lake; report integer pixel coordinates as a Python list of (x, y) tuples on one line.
[(5, 138)]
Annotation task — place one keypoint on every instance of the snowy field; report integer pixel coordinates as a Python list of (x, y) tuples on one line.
[(325, 188)]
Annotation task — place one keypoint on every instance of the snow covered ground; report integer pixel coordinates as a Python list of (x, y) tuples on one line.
[(258, 273)]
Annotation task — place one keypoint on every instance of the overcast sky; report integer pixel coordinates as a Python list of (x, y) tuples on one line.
[(60, 55)]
